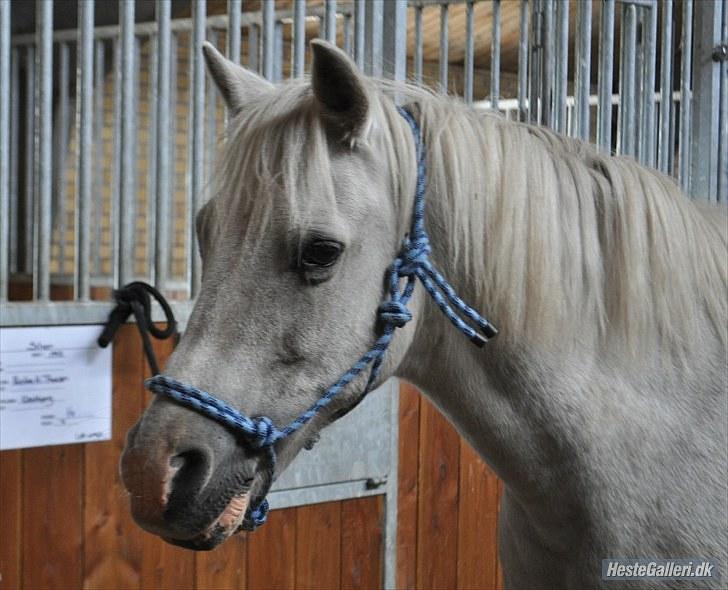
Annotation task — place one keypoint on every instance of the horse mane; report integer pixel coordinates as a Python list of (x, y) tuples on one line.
[(555, 240)]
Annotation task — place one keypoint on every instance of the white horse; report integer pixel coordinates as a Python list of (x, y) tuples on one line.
[(602, 404)]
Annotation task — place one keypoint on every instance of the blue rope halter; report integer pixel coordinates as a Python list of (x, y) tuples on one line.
[(411, 263)]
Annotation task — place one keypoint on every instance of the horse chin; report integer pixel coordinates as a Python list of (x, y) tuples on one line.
[(234, 518)]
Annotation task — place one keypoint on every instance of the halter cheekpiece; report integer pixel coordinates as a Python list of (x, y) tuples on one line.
[(411, 263)]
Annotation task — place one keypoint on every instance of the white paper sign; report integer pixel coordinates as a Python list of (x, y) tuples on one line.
[(55, 386)]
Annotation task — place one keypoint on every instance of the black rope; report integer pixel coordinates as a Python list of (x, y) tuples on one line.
[(136, 298)]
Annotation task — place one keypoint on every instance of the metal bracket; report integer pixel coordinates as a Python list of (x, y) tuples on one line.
[(720, 52)]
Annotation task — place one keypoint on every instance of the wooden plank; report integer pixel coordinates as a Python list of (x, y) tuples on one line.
[(499, 571), (52, 517), (478, 516), (164, 565), (224, 568), (318, 546), (113, 547), (10, 512), (361, 543), (409, 434), (438, 501), (272, 553)]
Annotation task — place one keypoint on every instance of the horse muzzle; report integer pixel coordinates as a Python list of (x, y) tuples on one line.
[(190, 480)]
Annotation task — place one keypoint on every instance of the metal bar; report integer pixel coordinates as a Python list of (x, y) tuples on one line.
[(359, 30), (705, 124), (60, 147), (495, 49), (419, 42), (85, 163), (162, 192), (686, 46), (278, 52), (444, 46), (469, 50), (100, 149), (127, 168), (116, 163), (547, 93), (523, 63), (330, 21), (627, 96), (639, 83), (374, 32), (299, 38), (29, 179), (583, 69), (649, 35), (254, 48), (347, 34), (535, 62), (394, 40), (44, 149), (723, 152), (665, 88), (14, 205), (606, 73), (391, 498), (562, 65), (4, 149), (197, 145), (268, 38), (233, 32)]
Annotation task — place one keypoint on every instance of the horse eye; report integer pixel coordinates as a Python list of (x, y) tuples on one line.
[(321, 253)]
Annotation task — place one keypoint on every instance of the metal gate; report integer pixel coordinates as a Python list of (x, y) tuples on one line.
[(108, 128)]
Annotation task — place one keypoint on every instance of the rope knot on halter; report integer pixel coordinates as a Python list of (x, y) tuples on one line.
[(394, 313), (415, 251), (263, 434)]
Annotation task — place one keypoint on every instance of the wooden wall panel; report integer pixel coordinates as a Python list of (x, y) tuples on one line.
[(318, 546), (272, 553), (10, 516), (361, 543), (225, 567)]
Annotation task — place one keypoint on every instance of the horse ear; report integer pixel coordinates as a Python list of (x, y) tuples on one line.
[(340, 89), (236, 84)]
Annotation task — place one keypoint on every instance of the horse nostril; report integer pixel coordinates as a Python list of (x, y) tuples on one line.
[(191, 470)]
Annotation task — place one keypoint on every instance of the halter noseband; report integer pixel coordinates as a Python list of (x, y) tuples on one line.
[(411, 263)]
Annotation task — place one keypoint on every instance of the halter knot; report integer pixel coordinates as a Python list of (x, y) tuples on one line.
[(394, 313), (264, 434), (415, 251)]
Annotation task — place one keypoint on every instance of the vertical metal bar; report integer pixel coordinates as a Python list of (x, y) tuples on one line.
[(627, 97), (359, 29), (254, 48), (278, 52), (639, 83), (347, 33), (100, 149), (606, 73), (419, 42), (233, 32), (705, 122), (665, 87), (330, 20), (523, 63), (29, 180), (44, 149), (469, 49), (4, 149), (162, 192), (152, 99), (14, 213), (444, 46), (269, 23), (59, 148), (686, 46), (116, 162), (723, 126), (299, 37), (562, 65), (85, 101), (394, 41), (127, 168), (649, 35), (495, 49), (198, 121), (535, 62), (583, 69), (374, 24), (547, 94)]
